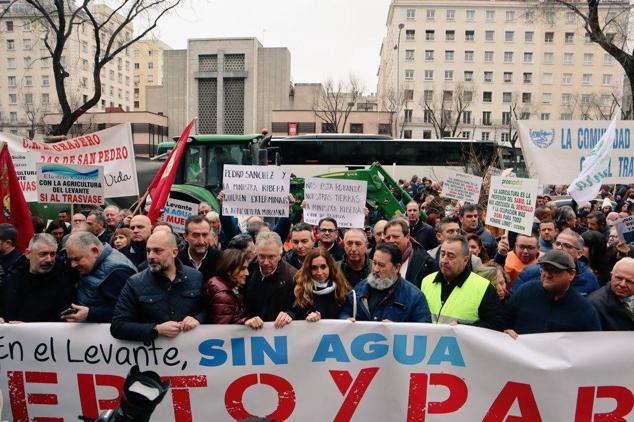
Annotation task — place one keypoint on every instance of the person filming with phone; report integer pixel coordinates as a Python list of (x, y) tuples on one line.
[(38, 288)]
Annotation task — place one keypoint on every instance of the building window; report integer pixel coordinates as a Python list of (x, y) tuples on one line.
[(136, 104), (508, 57), (607, 59), (27, 44), (544, 116), (431, 14), (565, 99), (44, 62), (356, 127), (510, 15), (430, 35), (470, 14), (449, 75), (447, 95), (606, 100), (507, 97), (427, 116), (486, 135), (410, 34), (469, 35), (586, 79), (488, 76), (486, 118), (569, 58), (586, 98), (428, 95), (466, 134), (489, 35), (528, 57), (570, 17), (450, 35), (385, 129), (407, 115), (546, 98), (526, 97), (508, 77), (13, 117), (468, 56), (45, 80), (409, 55), (407, 134), (84, 64), (607, 79), (504, 137), (449, 56), (466, 117), (328, 128), (28, 62), (566, 78), (565, 116), (9, 26), (549, 37), (587, 58), (468, 75), (13, 98), (150, 65), (409, 75), (569, 37), (11, 63), (429, 55), (529, 36), (137, 66), (527, 77), (45, 98), (547, 78), (488, 56), (487, 97), (411, 14), (11, 81), (490, 15), (467, 96), (506, 118), (549, 16), (548, 58), (10, 45), (28, 98), (429, 75), (529, 16), (509, 35), (408, 95), (451, 14)]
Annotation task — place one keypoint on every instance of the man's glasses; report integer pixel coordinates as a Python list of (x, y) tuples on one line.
[(565, 245)]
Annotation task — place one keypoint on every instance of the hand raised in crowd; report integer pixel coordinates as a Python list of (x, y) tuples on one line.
[(127, 220), (291, 201), (169, 328), (256, 323), (503, 246), (282, 320), (220, 197), (189, 323), (313, 316), (79, 316), (623, 248), (512, 334)]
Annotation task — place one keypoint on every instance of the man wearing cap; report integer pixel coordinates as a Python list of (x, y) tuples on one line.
[(549, 304), (615, 301)]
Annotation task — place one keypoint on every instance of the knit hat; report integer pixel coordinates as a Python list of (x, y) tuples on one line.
[(606, 203)]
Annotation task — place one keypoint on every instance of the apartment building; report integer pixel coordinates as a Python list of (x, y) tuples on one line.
[(27, 84), (148, 69), (458, 68)]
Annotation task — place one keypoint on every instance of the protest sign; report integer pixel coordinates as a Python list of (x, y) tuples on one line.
[(463, 187), (511, 204), (343, 200), (554, 150), (111, 148), (176, 212), (359, 371), (68, 184), (256, 190), (625, 229)]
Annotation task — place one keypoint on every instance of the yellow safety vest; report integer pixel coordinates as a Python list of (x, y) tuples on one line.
[(461, 305)]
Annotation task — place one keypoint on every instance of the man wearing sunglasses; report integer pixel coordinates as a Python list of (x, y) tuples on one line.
[(568, 241), (550, 304)]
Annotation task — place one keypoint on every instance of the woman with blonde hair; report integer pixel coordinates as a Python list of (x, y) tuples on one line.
[(320, 288)]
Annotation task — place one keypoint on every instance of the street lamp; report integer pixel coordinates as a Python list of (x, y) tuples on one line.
[(397, 47)]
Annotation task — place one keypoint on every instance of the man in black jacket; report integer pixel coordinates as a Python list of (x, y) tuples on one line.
[(200, 253), (417, 263), (141, 228), (302, 242), (615, 301), (418, 229), (9, 254), (163, 300), (96, 221), (38, 288)]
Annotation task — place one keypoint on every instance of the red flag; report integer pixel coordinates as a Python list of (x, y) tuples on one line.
[(15, 210), (162, 183)]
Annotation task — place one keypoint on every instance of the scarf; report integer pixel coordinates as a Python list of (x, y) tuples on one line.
[(324, 288)]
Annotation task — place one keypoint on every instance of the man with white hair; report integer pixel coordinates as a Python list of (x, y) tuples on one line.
[(111, 212), (615, 301), (269, 291)]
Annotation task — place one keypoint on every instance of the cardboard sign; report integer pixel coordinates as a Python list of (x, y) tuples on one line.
[(68, 184), (625, 229), (463, 187), (343, 200), (111, 148), (256, 190), (511, 204), (176, 212)]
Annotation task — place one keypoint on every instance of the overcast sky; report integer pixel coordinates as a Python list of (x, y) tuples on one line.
[(326, 38)]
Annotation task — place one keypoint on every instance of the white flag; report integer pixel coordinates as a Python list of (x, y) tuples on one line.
[(595, 168)]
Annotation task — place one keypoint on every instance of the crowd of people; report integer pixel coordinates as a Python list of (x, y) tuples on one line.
[(437, 263)]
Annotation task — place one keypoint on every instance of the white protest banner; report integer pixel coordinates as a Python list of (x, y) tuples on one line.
[(343, 200), (256, 190), (68, 184), (324, 371), (554, 150), (625, 229), (463, 187), (111, 148), (511, 204), (176, 212)]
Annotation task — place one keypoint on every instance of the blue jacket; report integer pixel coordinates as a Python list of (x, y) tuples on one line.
[(405, 303), (148, 299), (585, 282), (533, 310)]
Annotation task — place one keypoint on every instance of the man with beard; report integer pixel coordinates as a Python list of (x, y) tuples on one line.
[(38, 288), (103, 272), (385, 295), (163, 300), (456, 295), (200, 252), (141, 228)]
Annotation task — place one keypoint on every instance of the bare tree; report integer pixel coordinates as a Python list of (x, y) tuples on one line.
[(335, 101), (606, 23), (445, 110), (111, 28), (393, 103)]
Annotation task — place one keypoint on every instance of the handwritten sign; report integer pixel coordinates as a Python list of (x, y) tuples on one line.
[(176, 212), (625, 229), (343, 200), (463, 187), (511, 203), (67, 184), (256, 190)]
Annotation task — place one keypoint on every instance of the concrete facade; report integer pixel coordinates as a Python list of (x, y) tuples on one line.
[(148, 69), (495, 55)]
